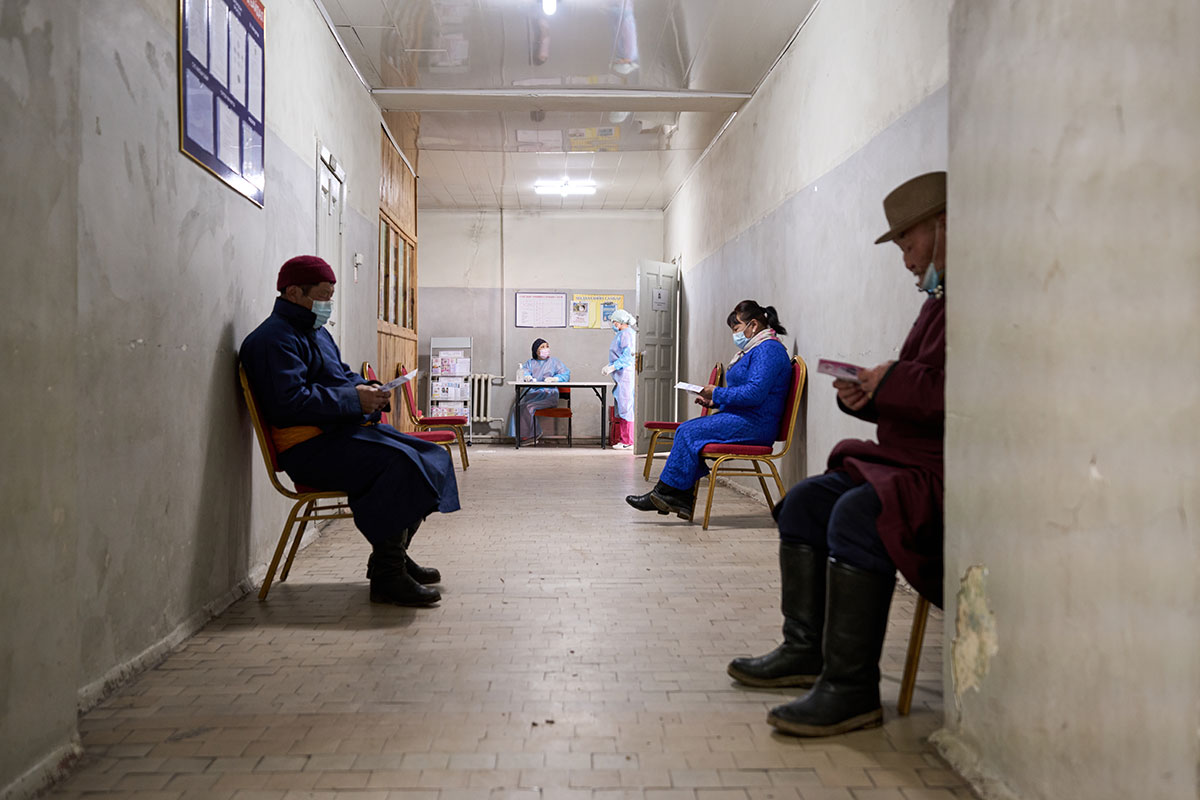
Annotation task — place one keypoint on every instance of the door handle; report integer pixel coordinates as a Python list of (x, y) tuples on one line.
[(637, 363)]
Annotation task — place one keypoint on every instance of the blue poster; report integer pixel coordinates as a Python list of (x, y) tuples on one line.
[(221, 69)]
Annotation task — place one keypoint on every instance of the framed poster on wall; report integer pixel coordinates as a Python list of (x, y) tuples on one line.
[(221, 70), (541, 309)]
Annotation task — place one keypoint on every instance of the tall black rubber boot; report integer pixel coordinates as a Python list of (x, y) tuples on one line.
[(846, 696), (796, 662), (390, 581)]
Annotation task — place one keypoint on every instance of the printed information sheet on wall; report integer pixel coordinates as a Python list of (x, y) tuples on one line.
[(221, 90), (541, 309)]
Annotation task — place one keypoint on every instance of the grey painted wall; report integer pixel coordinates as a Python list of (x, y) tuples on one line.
[(1073, 400), (839, 295), (137, 504), (39, 398)]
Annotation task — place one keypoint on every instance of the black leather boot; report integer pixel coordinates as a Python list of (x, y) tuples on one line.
[(796, 662), (669, 500), (642, 502), (390, 581), (846, 696)]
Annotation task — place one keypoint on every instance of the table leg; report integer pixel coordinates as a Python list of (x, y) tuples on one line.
[(603, 417), (517, 411)]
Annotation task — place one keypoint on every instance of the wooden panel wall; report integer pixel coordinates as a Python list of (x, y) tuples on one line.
[(398, 202)]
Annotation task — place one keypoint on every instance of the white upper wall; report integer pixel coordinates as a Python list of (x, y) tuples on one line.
[(857, 66), (582, 249)]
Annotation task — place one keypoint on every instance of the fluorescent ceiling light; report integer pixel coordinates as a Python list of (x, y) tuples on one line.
[(564, 187), (549, 7)]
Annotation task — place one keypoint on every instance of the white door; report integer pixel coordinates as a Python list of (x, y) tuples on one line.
[(658, 313), (331, 196)]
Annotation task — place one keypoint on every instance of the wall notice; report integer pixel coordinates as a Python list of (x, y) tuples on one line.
[(221, 90), (541, 310), (594, 310)]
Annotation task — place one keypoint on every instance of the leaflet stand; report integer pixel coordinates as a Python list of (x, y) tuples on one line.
[(449, 379)]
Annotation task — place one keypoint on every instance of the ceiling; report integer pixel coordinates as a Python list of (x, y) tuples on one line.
[(624, 93)]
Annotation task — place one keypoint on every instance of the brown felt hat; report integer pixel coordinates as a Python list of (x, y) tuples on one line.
[(913, 201)]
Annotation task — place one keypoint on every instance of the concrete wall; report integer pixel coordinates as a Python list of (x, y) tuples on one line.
[(473, 262), (1073, 396), (139, 504), (785, 207)]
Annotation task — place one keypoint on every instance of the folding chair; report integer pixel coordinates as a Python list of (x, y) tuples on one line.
[(657, 429), (559, 412), (304, 497), (444, 438), (424, 423), (758, 455)]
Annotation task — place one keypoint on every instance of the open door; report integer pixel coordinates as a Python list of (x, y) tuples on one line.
[(658, 314)]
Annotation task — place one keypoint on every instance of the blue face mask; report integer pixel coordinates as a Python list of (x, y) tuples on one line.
[(740, 340), (323, 309), (615, 328)]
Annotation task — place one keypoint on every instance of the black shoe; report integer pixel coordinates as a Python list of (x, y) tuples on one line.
[(846, 696), (669, 500), (798, 661), (642, 502), (402, 590), (422, 575)]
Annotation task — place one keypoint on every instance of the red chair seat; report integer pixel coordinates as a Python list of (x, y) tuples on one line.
[(660, 426), (561, 413), (736, 450), (302, 489), (437, 437), (443, 420)]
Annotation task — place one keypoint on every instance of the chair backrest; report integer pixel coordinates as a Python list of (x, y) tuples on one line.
[(368, 372), (409, 402), (715, 378), (266, 445), (787, 423)]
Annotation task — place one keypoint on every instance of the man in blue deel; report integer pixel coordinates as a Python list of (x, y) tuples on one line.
[(324, 419)]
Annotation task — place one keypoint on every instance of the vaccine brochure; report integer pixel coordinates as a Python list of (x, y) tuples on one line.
[(403, 379), (689, 387), (839, 369)]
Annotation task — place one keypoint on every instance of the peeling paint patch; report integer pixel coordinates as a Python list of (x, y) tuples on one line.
[(975, 639)]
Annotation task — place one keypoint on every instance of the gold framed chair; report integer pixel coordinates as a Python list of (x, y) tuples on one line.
[(658, 428), (306, 505), (758, 455), (423, 423), (444, 438)]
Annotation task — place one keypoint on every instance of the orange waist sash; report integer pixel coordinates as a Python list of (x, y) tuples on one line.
[(285, 438)]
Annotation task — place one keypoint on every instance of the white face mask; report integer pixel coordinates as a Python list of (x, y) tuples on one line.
[(323, 309)]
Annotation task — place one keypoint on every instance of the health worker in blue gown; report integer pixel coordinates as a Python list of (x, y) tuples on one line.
[(324, 421), (751, 405), (541, 367), (621, 367)]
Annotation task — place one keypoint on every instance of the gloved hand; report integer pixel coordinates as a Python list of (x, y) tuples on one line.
[(550, 379), (609, 369)]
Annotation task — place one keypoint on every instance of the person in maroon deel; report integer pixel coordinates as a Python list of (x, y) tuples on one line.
[(878, 508), (324, 420)]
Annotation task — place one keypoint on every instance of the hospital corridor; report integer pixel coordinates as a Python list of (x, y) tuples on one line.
[(600, 400)]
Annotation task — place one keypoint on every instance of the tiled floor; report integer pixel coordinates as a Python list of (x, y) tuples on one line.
[(578, 653)]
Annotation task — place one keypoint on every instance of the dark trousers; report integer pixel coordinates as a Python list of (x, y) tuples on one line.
[(387, 492), (833, 514)]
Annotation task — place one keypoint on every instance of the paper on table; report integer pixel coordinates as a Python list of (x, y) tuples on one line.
[(839, 369), (403, 379), (689, 387)]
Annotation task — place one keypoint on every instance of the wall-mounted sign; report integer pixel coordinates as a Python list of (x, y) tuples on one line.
[(541, 309), (221, 66), (659, 300), (594, 310)]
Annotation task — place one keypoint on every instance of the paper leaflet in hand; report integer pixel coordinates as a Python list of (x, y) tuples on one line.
[(689, 387), (839, 369), (403, 379)]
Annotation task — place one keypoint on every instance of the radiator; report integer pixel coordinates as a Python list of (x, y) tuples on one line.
[(481, 397)]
